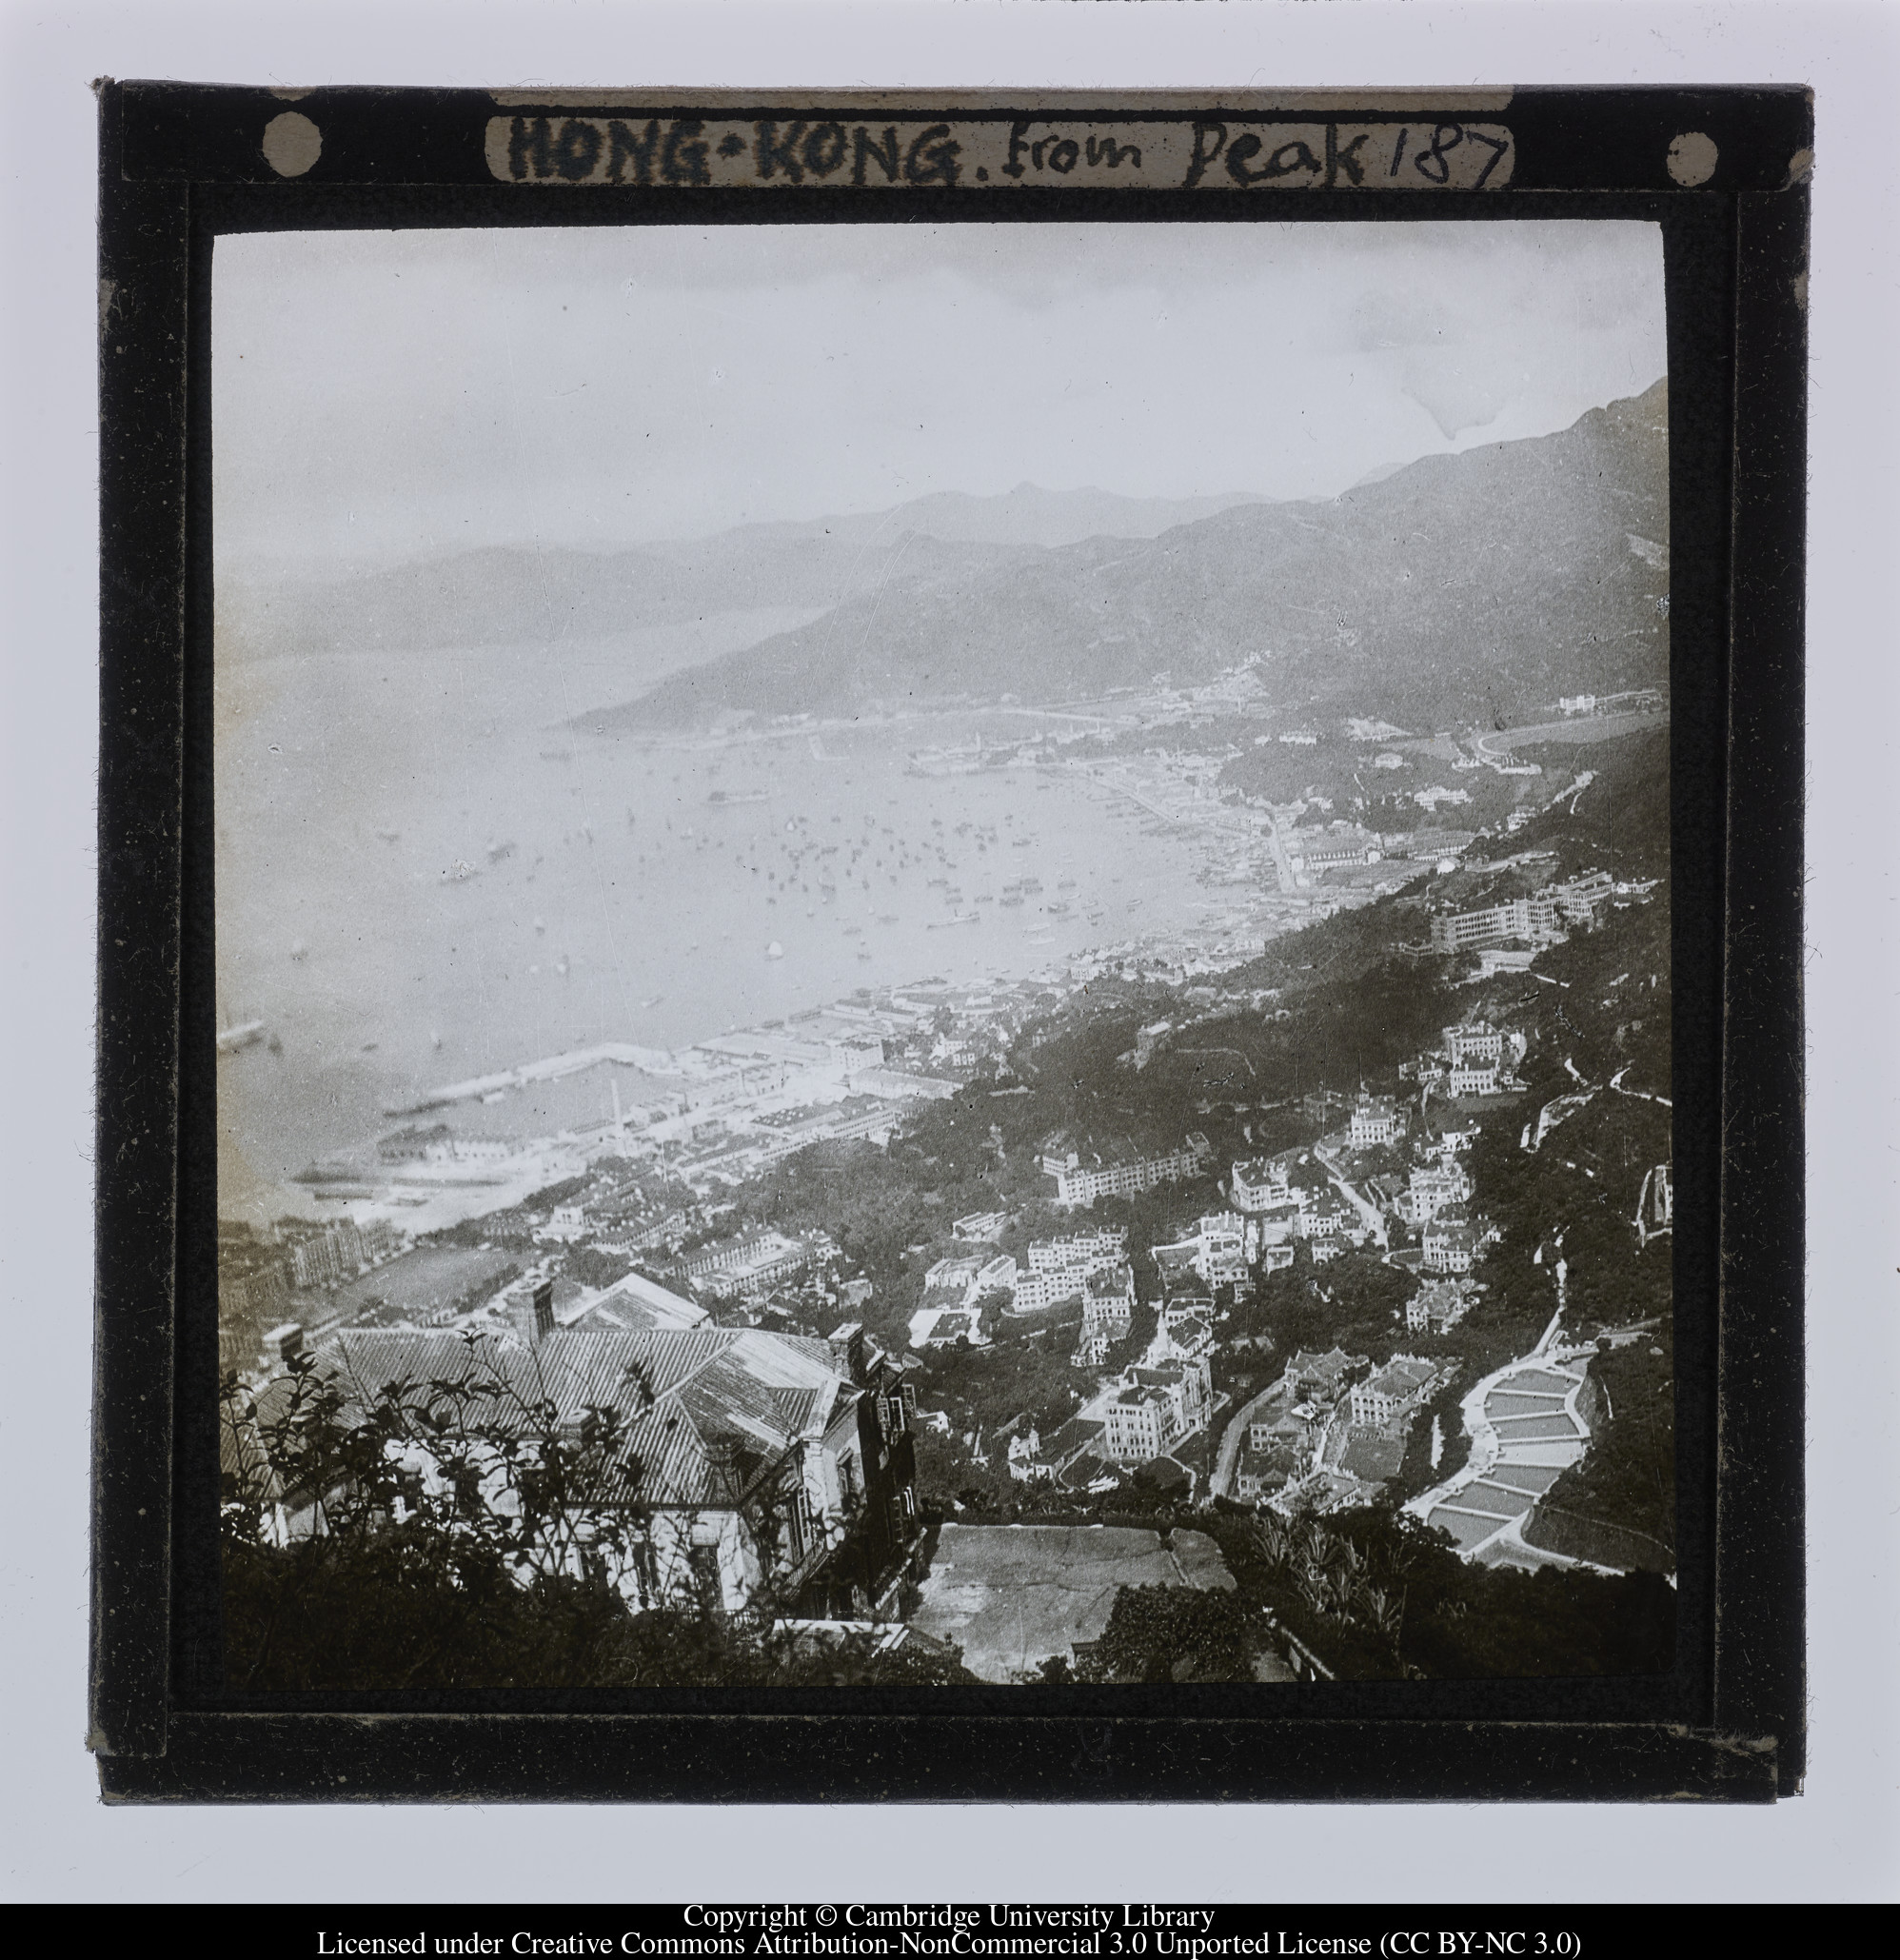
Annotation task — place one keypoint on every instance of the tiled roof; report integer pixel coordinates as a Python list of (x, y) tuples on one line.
[(748, 1394), (1400, 1378)]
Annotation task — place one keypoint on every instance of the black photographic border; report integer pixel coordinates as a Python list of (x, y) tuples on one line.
[(180, 166)]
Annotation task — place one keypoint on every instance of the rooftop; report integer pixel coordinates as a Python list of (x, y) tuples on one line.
[(707, 1410)]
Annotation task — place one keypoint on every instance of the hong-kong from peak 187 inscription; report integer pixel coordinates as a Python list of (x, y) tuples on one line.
[(943, 950)]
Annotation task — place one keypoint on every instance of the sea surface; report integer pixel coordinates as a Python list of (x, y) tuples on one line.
[(433, 865)]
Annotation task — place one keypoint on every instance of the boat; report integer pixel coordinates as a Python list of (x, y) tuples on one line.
[(720, 798), (241, 1035), (955, 918)]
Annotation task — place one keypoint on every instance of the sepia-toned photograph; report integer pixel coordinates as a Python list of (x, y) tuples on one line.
[(943, 954)]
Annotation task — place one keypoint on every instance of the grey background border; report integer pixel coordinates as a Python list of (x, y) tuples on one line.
[(1837, 1842)]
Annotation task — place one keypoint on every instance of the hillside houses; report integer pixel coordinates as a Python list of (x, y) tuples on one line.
[(1375, 1120), (1154, 1408), (1433, 1189), (1546, 918), (1439, 1306), (1058, 1268), (1080, 1179), (1454, 1245), (1108, 1311), (1215, 1252), (1395, 1390)]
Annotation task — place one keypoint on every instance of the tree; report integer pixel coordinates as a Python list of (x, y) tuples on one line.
[(456, 1533), (1176, 1633)]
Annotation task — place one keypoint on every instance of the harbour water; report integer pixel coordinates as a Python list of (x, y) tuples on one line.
[(435, 866)]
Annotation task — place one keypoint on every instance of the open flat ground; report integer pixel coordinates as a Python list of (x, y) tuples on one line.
[(1012, 1595)]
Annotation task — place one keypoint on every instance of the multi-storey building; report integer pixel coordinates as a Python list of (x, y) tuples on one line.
[(1374, 1120), (1539, 921), (1155, 1408), (1535, 920), (1321, 850), (328, 1257), (958, 1271), (749, 1263), (1216, 1252), (1397, 1389), (1473, 1041), (1434, 1188), (978, 1226), (1081, 1184), (1259, 1183), (1450, 1245), (1058, 1268), (1268, 1204), (1436, 1307), (1108, 1311)]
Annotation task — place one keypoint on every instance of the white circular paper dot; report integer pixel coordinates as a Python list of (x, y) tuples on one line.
[(292, 144), (1692, 158)]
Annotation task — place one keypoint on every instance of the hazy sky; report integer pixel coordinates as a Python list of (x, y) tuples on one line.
[(393, 394)]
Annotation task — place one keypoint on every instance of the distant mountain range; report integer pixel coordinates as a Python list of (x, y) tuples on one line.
[(1460, 587), (509, 595), (1026, 516)]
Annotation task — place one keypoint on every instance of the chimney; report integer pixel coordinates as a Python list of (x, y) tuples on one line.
[(532, 1313), (847, 1344)]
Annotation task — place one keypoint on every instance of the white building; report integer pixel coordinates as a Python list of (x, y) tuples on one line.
[(1376, 1120), (1080, 1183), (1217, 1251), (978, 1226), (945, 1326), (1471, 1079), (1473, 1041), (1397, 1389), (959, 1271), (1257, 1184), (1436, 1307), (1434, 1188), (1155, 1408), (1059, 1268)]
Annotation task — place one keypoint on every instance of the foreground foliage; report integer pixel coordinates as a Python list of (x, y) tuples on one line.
[(453, 1536)]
